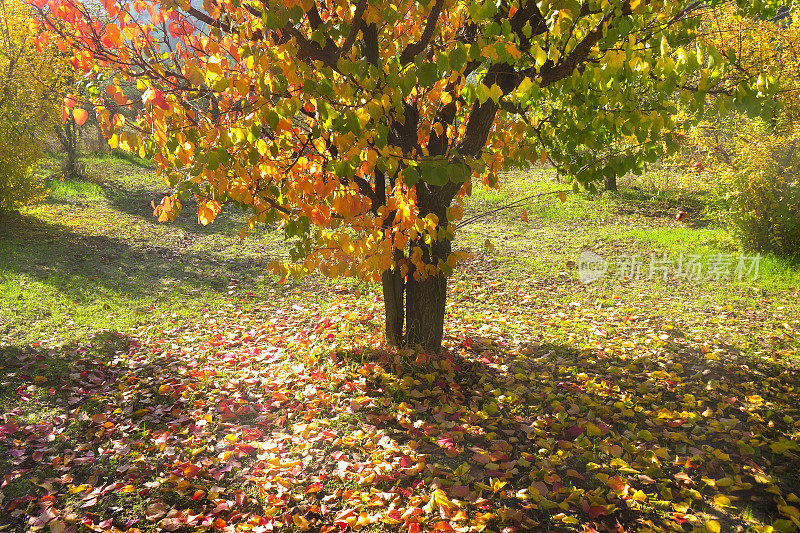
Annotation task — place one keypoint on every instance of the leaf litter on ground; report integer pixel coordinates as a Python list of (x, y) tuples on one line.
[(536, 417)]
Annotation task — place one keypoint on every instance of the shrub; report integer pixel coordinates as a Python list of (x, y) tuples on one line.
[(31, 79), (763, 195), (19, 185)]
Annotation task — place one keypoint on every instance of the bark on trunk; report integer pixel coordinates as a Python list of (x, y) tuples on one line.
[(393, 289), (68, 137), (425, 303), (610, 183)]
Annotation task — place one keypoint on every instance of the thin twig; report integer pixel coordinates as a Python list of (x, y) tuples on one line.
[(509, 205)]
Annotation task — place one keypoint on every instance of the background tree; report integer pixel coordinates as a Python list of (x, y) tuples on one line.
[(750, 164), (360, 126), (30, 76)]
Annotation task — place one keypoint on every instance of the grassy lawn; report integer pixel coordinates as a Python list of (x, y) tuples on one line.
[(157, 377)]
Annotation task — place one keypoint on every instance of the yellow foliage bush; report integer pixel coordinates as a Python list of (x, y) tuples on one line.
[(31, 79), (764, 192), (751, 167)]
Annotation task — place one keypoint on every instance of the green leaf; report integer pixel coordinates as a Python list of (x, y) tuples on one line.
[(411, 176), (427, 74), (434, 172), (458, 57)]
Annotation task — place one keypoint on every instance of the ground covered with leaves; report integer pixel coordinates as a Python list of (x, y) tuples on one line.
[(622, 405)]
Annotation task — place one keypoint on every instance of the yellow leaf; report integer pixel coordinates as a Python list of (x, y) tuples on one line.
[(712, 526), (680, 507), (592, 430), (301, 522), (722, 500), (789, 511)]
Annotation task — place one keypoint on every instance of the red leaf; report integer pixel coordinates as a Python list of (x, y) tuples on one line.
[(574, 431), (595, 511)]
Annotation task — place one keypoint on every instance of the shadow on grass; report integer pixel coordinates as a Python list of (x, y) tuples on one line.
[(657, 203), (139, 201), (77, 265)]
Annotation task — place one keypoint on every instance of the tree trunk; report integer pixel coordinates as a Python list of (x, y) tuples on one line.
[(102, 143), (425, 302), (393, 288), (610, 183), (68, 137)]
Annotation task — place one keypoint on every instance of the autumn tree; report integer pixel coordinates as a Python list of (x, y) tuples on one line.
[(30, 74), (360, 127), (749, 165)]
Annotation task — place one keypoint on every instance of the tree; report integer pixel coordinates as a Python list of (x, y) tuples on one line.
[(749, 165), (29, 76), (360, 126)]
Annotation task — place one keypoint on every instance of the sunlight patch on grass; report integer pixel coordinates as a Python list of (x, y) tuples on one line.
[(67, 189)]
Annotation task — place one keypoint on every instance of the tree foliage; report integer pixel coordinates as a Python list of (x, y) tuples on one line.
[(749, 164), (29, 76), (361, 126)]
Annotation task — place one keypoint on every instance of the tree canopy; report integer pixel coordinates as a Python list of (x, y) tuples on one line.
[(359, 127)]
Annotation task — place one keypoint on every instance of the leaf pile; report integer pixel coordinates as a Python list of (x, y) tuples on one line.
[(294, 421)]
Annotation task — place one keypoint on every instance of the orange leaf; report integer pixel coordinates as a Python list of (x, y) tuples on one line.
[(117, 94), (80, 116), (208, 211), (524, 215), (112, 37)]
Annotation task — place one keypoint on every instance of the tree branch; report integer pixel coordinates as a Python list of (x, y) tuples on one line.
[(355, 27), (411, 51)]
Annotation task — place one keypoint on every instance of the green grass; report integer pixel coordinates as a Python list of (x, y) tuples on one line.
[(69, 267), (70, 189)]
